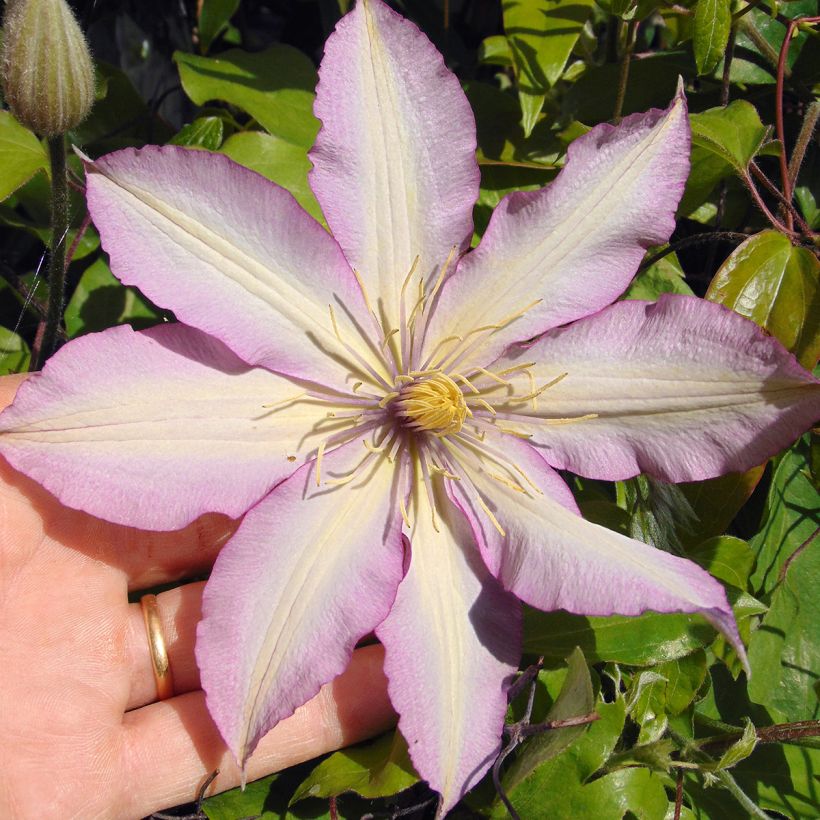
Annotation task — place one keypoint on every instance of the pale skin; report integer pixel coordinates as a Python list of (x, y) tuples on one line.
[(83, 734)]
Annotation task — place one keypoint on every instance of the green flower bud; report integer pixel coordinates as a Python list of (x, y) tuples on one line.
[(48, 78)]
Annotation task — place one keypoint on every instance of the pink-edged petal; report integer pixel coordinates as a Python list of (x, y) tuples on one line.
[(571, 248), (452, 641), (309, 572), (394, 162), (682, 389), (153, 429), (551, 558), (230, 253)]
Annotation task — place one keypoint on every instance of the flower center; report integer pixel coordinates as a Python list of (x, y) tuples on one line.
[(434, 403)]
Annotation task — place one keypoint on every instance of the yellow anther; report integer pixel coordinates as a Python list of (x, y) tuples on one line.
[(319, 457), (435, 404), (492, 518), (465, 380), (486, 405), (404, 513)]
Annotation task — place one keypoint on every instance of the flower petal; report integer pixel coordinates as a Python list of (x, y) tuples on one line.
[(230, 253), (682, 389), (309, 572), (394, 162), (153, 429), (551, 558), (571, 248), (452, 640)]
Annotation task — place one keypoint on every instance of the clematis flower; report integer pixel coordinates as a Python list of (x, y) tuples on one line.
[(387, 409)]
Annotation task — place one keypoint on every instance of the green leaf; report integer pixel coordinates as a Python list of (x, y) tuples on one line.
[(562, 788), (663, 276), (204, 132), (728, 558), (575, 700), (808, 206), (785, 650), (734, 133), (21, 155), (14, 352), (711, 25), (789, 518), (739, 750), (776, 285), (495, 50), (213, 19), (377, 769), (640, 641), (280, 161), (541, 35), (274, 86), (99, 301), (716, 501)]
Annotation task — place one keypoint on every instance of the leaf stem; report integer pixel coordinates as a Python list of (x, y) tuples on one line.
[(623, 73), (698, 239), (774, 191), (750, 185), (803, 140), (57, 251)]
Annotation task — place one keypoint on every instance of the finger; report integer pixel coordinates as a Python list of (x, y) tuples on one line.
[(180, 610), (172, 746), (144, 558)]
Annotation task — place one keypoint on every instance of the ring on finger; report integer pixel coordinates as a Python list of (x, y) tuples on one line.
[(160, 665)]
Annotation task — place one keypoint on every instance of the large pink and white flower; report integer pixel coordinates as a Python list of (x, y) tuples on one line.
[(366, 401)]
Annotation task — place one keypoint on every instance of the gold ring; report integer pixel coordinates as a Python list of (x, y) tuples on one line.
[(160, 665)]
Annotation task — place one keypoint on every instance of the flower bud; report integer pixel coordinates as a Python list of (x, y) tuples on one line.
[(48, 78)]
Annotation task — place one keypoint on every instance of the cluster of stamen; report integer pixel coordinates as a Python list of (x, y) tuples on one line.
[(390, 400), (432, 403)]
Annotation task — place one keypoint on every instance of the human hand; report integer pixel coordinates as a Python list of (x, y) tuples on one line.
[(81, 731)]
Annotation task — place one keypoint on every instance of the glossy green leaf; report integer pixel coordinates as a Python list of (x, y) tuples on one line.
[(377, 769), (728, 558), (280, 161), (575, 699), (541, 34), (711, 25), (21, 155), (639, 641), (213, 19), (14, 352), (204, 132), (734, 133), (776, 285), (274, 86), (99, 301), (808, 205)]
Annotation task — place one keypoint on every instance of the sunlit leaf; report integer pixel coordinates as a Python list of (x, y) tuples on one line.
[(734, 133), (204, 132), (21, 155), (777, 286), (541, 34), (274, 86)]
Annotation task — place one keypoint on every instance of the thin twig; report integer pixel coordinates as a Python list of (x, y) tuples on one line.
[(77, 239), (678, 795), (781, 131), (698, 239), (775, 192), (746, 177)]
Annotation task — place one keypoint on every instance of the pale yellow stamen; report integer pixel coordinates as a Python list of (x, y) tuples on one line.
[(492, 518), (434, 404), (319, 456)]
